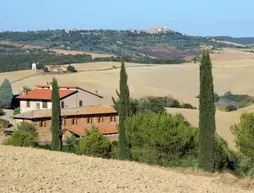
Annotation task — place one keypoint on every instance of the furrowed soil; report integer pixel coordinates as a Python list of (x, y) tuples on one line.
[(35, 170)]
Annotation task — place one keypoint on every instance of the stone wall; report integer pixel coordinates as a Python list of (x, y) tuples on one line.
[(44, 125)]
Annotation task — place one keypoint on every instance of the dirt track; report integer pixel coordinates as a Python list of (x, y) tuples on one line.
[(32, 170)]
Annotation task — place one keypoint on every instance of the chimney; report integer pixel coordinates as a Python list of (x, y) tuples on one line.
[(24, 92)]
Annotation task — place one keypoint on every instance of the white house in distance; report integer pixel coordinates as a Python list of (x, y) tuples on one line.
[(34, 66), (70, 97)]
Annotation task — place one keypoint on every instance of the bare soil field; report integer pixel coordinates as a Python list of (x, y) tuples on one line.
[(35, 170), (232, 70), (168, 52), (74, 52), (227, 42)]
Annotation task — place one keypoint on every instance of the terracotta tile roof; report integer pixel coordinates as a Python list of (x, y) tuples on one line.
[(44, 94), (87, 110), (104, 129)]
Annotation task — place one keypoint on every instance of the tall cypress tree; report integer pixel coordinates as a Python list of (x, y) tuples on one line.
[(123, 112), (206, 114), (6, 94), (56, 143)]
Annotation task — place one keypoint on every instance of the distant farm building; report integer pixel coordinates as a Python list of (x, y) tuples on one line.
[(34, 66)]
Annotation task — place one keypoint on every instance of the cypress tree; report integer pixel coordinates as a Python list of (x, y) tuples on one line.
[(6, 95), (206, 114), (123, 151), (56, 143)]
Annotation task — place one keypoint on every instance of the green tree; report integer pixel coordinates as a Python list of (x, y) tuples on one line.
[(71, 68), (95, 144), (161, 139), (123, 151), (206, 114), (6, 95), (244, 134), (25, 135), (56, 143)]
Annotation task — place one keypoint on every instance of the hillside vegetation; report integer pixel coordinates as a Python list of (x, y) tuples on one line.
[(19, 49), (63, 172)]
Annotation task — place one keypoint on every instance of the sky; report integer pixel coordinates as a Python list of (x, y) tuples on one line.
[(193, 17)]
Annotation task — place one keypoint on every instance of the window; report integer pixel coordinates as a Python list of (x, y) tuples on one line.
[(99, 119), (89, 120), (37, 106), (27, 103), (80, 103), (62, 104), (40, 123), (44, 123), (111, 118), (73, 121), (114, 118), (45, 105)]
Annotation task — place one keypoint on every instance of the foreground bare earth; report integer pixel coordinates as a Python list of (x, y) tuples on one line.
[(33, 170)]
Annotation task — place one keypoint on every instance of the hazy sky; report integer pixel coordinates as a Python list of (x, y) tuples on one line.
[(193, 17)]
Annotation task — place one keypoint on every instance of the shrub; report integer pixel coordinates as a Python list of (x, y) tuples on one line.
[(28, 128), (244, 134), (151, 104), (45, 69), (2, 112), (16, 111), (21, 138), (71, 68), (26, 88), (187, 106), (4, 123), (71, 144), (161, 139), (221, 154), (94, 144), (230, 108)]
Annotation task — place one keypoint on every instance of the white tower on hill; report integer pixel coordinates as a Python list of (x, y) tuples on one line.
[(34, 66)]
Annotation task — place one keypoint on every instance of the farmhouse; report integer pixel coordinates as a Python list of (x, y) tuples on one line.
[(70, 97), (74, 120)]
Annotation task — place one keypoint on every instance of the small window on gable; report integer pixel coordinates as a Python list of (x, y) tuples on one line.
[(80, 103), (27, 103)]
